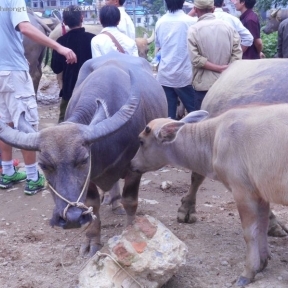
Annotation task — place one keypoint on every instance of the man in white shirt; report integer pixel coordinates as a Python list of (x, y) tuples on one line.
[(104, 43), (245, 35), (175, 69), (125, 25)]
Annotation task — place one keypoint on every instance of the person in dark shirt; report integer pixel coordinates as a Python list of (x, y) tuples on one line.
[(80, 42), (250, 20), (282, 44)]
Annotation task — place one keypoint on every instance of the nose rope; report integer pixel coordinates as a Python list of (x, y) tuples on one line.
[(89, 210)]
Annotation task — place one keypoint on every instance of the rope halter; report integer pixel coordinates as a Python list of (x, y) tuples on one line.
[(78, 204)]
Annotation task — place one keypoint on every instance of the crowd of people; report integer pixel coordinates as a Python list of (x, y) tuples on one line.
[(195, 49)]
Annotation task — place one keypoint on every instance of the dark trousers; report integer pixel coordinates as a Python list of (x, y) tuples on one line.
[(186, 95), (199, 96), (63, 107)]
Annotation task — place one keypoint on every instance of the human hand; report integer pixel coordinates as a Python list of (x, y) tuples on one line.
[(192, 12), (222, 68), (68, 54), (262, 55)]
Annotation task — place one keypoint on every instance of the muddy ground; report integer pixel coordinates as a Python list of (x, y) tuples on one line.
[(32, 253)]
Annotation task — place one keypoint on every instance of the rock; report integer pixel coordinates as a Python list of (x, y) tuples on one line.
[(149, 253), (166, 185)]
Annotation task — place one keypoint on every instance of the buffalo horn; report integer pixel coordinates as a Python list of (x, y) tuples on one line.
[(119, 119), (19, 139), (151, 38)]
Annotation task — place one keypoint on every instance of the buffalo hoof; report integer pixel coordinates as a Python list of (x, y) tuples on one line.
[(243, 281), (186, 216), (87, 250), (119, 210), (277, 229)]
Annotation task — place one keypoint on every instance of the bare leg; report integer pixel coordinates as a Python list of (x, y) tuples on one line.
[(130, 195), (254, 214), (93, 235), (187, 209)]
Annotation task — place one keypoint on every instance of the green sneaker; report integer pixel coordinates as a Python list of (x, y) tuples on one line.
[(8, 181), (33, 187)]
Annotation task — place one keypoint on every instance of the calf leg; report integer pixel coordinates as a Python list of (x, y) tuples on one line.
[(254, 214), (92, 242), (113, 196), (276, 228), (187, 209), (130, 195)]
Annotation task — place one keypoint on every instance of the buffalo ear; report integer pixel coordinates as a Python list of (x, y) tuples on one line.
[(195, 116), (168, 132)]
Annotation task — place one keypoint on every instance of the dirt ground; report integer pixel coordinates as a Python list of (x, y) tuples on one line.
[(32, 253)]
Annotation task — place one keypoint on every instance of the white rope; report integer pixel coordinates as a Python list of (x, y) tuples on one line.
[(77, 203)]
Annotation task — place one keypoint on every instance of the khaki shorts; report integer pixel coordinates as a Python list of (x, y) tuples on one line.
[(16, 96)]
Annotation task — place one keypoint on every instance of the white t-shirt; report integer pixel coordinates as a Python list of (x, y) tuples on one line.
[(175, 69), (103, 44), (245, 35), (12, 56), (126, 24)]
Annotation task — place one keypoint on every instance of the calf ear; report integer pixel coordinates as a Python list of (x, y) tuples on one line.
[(168, 132), (195, 116)]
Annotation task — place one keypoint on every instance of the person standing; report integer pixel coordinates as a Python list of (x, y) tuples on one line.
[(245, 35), (17, 95), (126, 24), (110, 38), (282, 44), (250, 20), (213, 44), (80, 42), (175, 70)]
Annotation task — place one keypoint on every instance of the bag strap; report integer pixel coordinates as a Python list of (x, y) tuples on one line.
[(117, 44)]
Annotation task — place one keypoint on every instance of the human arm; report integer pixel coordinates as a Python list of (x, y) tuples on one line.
[(245, 36), (258, 44), (57, 62), (254, 28), (237, 51), (197, 59), (27, 29)]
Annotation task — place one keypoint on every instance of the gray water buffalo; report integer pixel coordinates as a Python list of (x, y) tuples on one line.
[(244, 82), (238, 148), (142, 43), (114, 97), (35, 52), (274, 17)]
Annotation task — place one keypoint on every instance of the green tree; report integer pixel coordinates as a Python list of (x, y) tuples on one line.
[(268, 4)]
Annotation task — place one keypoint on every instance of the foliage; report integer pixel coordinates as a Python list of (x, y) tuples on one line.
[(153, 7), (269, 44), (268, 4)]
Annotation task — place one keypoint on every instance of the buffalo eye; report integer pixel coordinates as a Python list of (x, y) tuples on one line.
[(45, 167), (147, 129), (84, 161)]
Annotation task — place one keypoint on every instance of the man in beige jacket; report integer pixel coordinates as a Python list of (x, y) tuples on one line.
[(212, 44)]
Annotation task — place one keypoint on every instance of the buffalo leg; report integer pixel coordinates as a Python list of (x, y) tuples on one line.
[(92, 242), (130, 195), (187, 209), (254, 214)]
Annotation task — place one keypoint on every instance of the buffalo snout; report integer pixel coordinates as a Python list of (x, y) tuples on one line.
[(74, 218)]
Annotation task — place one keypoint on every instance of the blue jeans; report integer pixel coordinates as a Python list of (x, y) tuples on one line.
[(199, 96), (186, 95)]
